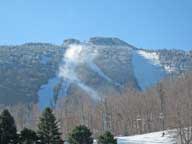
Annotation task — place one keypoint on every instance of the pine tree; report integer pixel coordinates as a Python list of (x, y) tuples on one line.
[(28, 136), (8, 131), (107, 138), (48, 130), (80, 135)]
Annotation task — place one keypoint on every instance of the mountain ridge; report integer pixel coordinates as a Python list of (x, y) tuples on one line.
[(102, 65)]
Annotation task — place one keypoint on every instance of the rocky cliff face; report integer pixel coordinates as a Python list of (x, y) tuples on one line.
[(39, 72)]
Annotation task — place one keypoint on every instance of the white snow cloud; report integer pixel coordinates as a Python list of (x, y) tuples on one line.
[(74, 55)]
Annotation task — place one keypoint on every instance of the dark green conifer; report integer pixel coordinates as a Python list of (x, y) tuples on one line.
[(8, 131), (28, 136), (107, 138), (80, 135), (48, 130)]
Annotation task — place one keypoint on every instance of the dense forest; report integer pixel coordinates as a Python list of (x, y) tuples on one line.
[(25, 68)]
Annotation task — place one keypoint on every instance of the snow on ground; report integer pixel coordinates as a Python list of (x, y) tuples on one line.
[(150, 138), (169, 68), (46, 93), (153, 57), (146, 69)]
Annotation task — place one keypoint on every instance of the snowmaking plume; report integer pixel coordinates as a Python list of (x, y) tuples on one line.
[(75, 55)]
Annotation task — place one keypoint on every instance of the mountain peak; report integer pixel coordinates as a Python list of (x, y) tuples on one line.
[(107, 41), (71, 41)]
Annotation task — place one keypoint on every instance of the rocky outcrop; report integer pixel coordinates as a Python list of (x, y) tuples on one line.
[(67, 42), (110, 41)]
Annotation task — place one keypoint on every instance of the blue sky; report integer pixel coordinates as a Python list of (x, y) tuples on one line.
[(143, 23)]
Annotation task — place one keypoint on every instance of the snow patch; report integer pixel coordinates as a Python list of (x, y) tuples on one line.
[(150, 138), (153, 57), (146, 72), (169, 68), (46, 92)]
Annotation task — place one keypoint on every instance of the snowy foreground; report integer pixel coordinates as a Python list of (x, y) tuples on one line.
[(150, 138)]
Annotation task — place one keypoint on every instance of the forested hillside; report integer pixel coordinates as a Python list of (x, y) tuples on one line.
[(24, 68), (42, 72)]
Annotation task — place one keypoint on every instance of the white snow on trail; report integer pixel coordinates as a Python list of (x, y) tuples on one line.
[(150, 138), (147, 69), (152, 56), (154, 59)]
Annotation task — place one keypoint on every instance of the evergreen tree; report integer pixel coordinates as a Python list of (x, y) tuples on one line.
[(28, 136), (80, 135), (48, 131), (107, 138), (8, 131)]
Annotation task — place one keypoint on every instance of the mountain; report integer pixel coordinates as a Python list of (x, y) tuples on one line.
[(101, 66), (24, 68)]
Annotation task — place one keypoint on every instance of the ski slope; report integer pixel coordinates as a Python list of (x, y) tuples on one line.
[(150, 138), (147, 68)]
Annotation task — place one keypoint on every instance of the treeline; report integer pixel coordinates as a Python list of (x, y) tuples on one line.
[(47, 133), (167, 105)]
